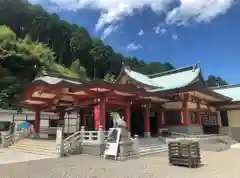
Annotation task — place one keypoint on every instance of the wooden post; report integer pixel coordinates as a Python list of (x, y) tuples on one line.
[(102, 112), (198, 113), (159, 119), (96, 115), (61, 120), (37, 121), (186, 118), (127, 117), (147, 120), (81, 115)]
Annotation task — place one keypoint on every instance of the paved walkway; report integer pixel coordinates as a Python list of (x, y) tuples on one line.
[(237, 145), (11, 156), (223, 164)]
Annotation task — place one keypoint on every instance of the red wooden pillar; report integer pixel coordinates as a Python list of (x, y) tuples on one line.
[(100, 113), (186, 115), (81, 117), (163, 118), (147, 120), (37, 121), (96, 111), (198, 113), (159, 120), (61, 120), (127, 117)]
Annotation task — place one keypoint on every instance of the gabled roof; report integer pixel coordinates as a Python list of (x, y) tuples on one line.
[(172, 81), (53, 79), (177, 78), (141, 78), (168, 80), (232, 91)]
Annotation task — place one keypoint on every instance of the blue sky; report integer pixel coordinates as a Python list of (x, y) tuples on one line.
[(181, 32)]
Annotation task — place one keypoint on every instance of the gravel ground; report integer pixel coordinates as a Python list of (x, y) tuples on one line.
[(223, 164)]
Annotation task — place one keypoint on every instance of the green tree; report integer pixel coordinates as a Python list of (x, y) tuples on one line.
[(20, 60), (109, 78), (213, 81), (77, 68)]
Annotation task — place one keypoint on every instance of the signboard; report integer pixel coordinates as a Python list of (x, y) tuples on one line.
[(112, 145)]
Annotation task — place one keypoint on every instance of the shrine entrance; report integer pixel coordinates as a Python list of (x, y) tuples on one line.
[(153, 125), (137, 122), (209, 123)]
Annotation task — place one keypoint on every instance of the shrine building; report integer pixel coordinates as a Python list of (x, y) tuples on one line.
[(178, 100)]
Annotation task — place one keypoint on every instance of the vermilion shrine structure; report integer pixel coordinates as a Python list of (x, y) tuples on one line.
[(178, 100)]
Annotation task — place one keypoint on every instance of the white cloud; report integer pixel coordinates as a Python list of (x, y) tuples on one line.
[(133, 47), (197, 11), (113, 10), (160, 30), (175, 36), (109, 30), (140, 33)]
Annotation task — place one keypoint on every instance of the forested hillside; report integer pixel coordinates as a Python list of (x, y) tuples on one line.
[(32, 40), (213, 81)]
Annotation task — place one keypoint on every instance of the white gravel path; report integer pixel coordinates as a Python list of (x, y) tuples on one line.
[(225, 164)]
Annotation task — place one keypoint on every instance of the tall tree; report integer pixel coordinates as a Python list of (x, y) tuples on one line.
[(213, 81), (20, 60)]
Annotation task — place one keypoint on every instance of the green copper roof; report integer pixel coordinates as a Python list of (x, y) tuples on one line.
[(232, 91), (167, 80), (177, 80), (144, 79)]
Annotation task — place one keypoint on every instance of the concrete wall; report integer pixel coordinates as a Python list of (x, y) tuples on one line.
[(234, 124), (71, 125), (234, 118), (233, 130)]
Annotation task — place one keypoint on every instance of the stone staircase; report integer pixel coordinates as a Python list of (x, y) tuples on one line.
[(35, 146), (207, 142), (152, 149), (228, 140), (149, 146)]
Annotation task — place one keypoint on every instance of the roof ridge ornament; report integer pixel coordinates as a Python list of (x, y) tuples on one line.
[(196, 66)]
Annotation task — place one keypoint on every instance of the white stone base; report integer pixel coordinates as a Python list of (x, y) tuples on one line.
[(129, 134), (147, 134)]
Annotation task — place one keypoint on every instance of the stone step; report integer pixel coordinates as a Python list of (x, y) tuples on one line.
[(37, 152), (37, 147), (152, 149), (38, 141), (229, 140), (40, 147)]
